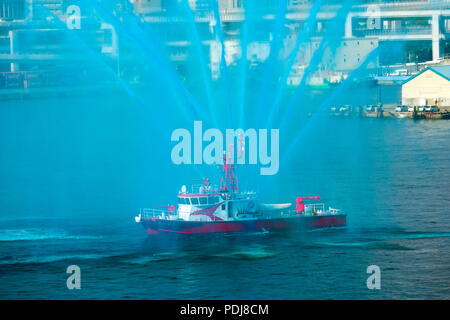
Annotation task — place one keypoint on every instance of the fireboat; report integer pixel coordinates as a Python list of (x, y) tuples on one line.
[(208, 209)]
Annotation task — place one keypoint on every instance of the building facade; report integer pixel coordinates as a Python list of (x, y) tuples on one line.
[(33, 33), (429, 87)]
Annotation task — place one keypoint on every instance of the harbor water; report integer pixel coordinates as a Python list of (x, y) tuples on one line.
[(75, 171)]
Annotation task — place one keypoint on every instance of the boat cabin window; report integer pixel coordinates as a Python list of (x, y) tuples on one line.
[(213, 200), (203, 200), (181, 200), (194, 200), (187, 200)]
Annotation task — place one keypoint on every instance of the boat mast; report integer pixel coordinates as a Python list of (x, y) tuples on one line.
[(229, 181)]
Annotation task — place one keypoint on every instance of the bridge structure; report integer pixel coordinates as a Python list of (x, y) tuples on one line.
[(367, 24)]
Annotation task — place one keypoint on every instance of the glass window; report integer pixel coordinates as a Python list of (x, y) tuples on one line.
[(194, 200), (212, 200), (181, 201), (203, 200), (187, 201)]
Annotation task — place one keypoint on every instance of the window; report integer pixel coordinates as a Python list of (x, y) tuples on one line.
[(187, 201), (181, 201), (203, 200), (194, 200), (213, 200), (223, 206)]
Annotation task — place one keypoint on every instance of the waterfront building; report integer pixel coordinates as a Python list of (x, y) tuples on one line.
[(431, 86), (40, 47), (405, 31)]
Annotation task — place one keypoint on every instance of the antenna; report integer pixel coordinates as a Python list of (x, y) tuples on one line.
[(229, 181), (206, 183)]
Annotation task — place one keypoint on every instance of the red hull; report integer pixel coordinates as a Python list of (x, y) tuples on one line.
[(154, 226)]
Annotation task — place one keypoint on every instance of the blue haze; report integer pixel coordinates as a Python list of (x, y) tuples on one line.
[(76, 168)]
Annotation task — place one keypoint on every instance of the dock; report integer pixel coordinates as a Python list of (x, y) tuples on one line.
[(387, 112)]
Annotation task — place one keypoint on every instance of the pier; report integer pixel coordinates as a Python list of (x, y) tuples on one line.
[(388, 111)]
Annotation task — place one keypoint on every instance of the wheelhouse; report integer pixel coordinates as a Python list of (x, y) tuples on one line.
[(199, 199)]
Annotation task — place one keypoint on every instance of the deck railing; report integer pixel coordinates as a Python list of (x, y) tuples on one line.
[(313, 209), (154, 213), (319, 209)]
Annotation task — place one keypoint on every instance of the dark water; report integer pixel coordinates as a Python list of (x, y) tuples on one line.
[(74, 172)]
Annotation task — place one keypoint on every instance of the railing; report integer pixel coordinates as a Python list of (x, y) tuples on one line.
[(248, 194), (316, 209), (333, 211), (394, 32), (407, 5), (199, 188), (54, 78), (319, 209), (155, 213)]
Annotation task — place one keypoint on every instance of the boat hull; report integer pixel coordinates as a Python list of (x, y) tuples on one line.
[(155, 226)]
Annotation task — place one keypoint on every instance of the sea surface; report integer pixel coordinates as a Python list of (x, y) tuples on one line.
[(74, 173)]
